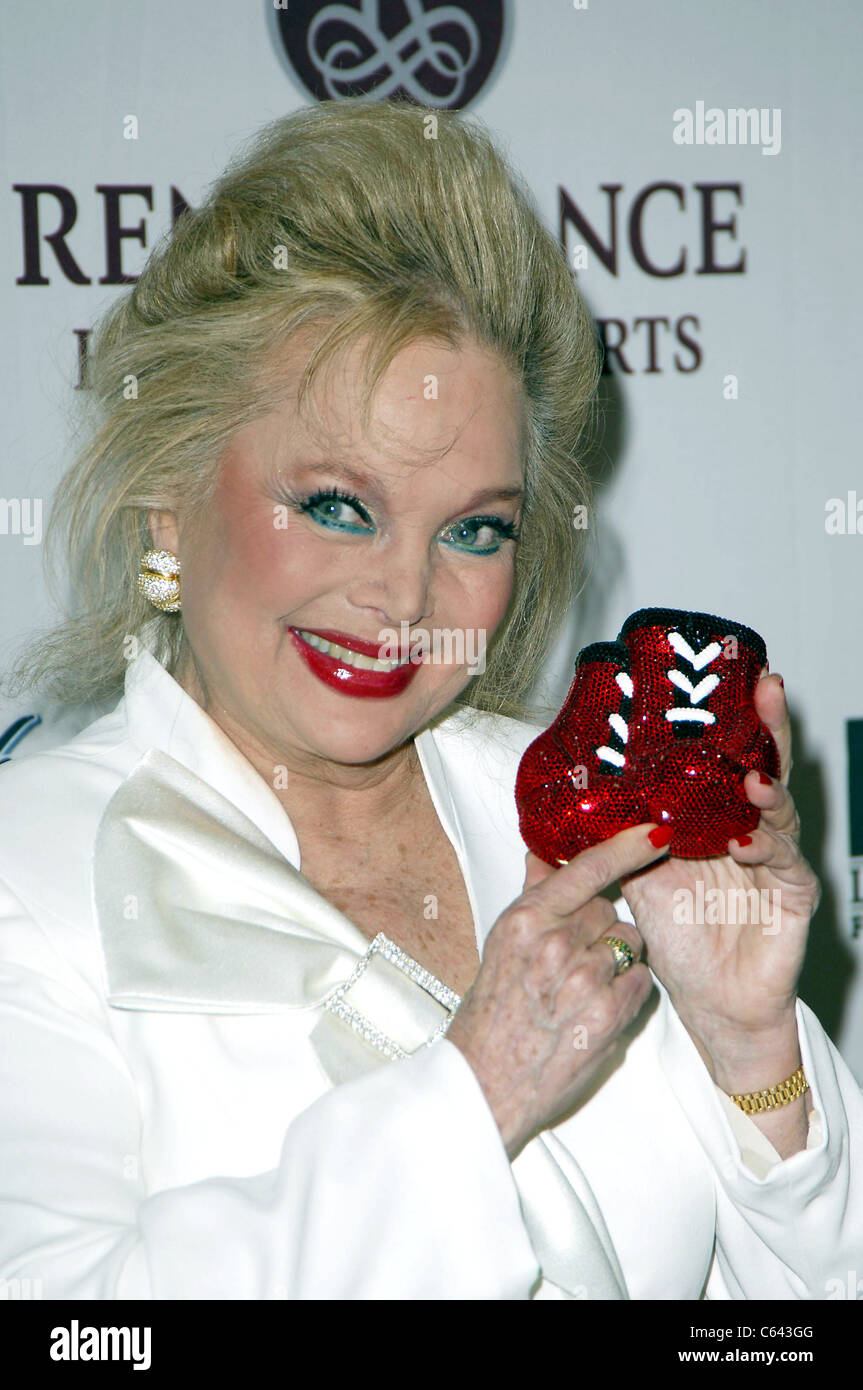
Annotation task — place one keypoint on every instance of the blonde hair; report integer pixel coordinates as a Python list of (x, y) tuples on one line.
[(383, 232)]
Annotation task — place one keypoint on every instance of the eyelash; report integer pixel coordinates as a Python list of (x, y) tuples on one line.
[(506, 529)]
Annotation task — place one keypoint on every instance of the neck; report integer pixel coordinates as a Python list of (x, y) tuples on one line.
[(342, 798)]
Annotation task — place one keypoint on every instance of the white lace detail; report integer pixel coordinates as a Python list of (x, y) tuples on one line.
[(609, 755), (696, 659), (618, 725), (696, 693), (700, 716)]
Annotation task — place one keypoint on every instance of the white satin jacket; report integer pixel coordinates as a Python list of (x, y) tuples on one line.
[(211, 1086)]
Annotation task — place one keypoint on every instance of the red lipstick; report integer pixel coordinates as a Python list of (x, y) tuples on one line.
[(351, 680)]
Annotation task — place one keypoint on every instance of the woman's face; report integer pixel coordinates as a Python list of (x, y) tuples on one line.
[(278, 558)]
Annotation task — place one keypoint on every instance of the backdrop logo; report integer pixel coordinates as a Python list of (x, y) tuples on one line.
[(416, 50)]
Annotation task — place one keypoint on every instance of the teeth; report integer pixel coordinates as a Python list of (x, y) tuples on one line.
[(350, 658)]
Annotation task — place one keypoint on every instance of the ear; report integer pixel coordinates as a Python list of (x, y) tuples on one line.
[(164, 530)]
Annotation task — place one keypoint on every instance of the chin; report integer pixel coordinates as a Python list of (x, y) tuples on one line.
[(348, 729), (358, 735)]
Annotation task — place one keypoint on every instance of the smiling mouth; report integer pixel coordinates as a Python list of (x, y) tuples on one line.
[(348, 655)]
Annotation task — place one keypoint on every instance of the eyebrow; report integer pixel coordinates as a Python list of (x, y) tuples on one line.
[(360, 480)]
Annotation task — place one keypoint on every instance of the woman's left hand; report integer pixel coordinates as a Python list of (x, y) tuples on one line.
[(733, 984)]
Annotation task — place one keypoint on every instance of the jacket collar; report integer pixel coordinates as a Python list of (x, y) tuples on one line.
[(197, 886), (161, 715)]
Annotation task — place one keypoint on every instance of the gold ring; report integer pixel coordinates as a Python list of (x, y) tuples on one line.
[(623, 954)]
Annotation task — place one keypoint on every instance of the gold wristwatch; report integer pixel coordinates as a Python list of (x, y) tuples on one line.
[(773, 1097)]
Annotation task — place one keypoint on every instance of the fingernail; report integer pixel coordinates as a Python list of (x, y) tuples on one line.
[(660, 836), (765, 780), (743, 840)]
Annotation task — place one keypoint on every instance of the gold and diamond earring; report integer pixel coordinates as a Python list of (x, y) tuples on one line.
[(159, 579)]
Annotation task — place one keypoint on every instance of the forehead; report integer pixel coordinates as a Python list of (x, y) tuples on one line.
[(434, 403)]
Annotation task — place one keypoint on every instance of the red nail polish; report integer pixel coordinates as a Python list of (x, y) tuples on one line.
[(765, 780), (743, 840), (660, 836)]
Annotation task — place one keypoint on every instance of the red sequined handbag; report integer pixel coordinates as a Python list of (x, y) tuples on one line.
[(657, 726)]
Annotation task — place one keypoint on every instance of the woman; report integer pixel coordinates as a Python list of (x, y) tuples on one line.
[(282, 1015)]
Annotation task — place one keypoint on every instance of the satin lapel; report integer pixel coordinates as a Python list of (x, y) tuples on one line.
[(566, 1226), (440, 791), (473, 773), (199, 912)]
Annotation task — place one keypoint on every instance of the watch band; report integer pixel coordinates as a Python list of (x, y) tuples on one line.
[(773, 1097)]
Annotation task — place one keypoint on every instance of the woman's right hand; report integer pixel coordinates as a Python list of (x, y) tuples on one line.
[(546, 1008)]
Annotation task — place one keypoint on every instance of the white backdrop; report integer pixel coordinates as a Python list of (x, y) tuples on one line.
[(720, 461)]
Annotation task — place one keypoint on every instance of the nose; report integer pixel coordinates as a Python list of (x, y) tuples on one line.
[(396, 585)]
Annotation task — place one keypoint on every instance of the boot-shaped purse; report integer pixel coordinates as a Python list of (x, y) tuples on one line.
[(657, 726)]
